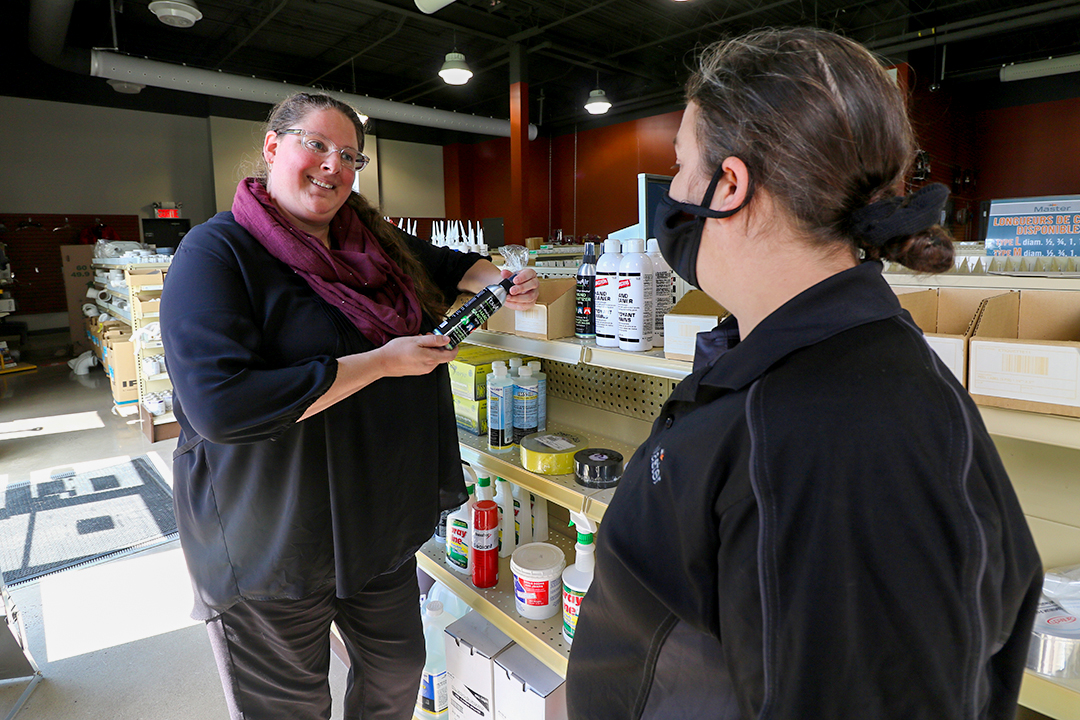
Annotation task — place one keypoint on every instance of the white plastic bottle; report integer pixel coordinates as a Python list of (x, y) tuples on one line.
[(541, 395), (607, 295), (522, 515), (540, 519), (664, 284), (526, 389), (500, 409), (459, 531), (578, 577), (635, 299), (507, 534), (484, 491), (432, 700), (515, 366)]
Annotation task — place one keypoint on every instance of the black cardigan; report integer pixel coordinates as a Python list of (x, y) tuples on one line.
[(268, 507), (819, 526)]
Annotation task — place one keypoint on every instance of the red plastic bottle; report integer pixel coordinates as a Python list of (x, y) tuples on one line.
[(485, 550)]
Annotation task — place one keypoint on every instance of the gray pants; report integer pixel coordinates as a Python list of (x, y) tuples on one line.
[(274, 656)]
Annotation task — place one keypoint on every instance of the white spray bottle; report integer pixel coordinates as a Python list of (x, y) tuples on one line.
[(507, 534), (578, 577)]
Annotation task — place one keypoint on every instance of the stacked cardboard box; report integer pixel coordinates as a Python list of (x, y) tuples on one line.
[(468, 383)]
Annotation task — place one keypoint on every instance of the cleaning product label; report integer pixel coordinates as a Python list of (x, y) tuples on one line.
[(536, 593), (571, 606), (457, 548), (635, 320), (500, 416), (433, 700), (604, 305), (584, 320), (525, 419), (468, 317)]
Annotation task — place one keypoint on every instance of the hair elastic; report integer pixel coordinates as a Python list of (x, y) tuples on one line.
[(901, 216)]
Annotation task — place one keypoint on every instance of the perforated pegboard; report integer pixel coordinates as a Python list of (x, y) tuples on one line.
[(637, 396)]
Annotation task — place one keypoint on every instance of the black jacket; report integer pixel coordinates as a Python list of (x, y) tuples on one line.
[(819, 527), (267, 507)]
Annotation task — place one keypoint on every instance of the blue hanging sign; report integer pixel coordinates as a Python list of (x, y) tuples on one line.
[(1040, 227)]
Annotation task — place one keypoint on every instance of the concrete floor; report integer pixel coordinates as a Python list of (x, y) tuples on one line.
[(113, 640)]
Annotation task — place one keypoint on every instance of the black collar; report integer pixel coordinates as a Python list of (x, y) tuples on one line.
[(848, 299)]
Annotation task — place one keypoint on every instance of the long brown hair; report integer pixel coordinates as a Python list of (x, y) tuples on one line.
[(289, 113), (821, 127)]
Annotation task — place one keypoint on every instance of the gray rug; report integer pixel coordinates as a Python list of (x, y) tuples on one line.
[(73, 519)]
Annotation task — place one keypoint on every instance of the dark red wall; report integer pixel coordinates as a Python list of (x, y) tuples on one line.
[(1030, 150)]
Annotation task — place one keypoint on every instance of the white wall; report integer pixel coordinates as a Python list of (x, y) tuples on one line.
[(237, 145), (60, 157), (411, 179)]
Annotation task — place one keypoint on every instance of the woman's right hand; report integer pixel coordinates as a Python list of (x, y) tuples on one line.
[(415, 355)]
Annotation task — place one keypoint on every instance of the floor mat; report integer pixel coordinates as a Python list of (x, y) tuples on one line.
[(74, 518)]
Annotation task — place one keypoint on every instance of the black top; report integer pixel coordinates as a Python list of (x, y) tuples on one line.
[(267, 507), (819, 526)]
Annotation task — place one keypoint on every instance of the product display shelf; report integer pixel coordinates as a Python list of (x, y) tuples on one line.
[(1041, 428), (574, 350), (563, 490), (541, 638), (115, 312), (1050, 696)]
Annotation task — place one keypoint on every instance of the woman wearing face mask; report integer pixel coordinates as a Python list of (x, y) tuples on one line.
[(834, 535), (318, 443)]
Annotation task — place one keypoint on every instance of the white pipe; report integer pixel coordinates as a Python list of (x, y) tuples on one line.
[(1040, 68), (115, 66)]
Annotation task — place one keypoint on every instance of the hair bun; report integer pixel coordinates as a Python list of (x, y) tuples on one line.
[(899, 217)]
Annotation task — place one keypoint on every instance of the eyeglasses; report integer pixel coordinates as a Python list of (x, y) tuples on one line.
[(320, 145)]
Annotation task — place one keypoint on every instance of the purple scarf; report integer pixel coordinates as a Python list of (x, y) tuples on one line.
[(360, 279)]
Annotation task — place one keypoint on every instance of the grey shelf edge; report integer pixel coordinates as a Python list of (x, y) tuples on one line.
[(1056, 430), (574, 351), (541, 638)]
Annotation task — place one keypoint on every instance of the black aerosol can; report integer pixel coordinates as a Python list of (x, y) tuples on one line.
[(475, 312)]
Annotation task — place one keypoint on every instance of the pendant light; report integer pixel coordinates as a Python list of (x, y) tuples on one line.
[(455, 71), (598, 102)]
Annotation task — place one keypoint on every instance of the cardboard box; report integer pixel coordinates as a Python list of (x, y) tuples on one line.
[(119, 362), (145, 280), (695, 313), (469, 371), (145, 307), (1026, 355), (78, 276), (471, 415), (472, 644), (552, 317), (155, 433), (527, 689)]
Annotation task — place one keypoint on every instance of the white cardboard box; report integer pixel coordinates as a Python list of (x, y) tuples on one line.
[(472, 644), (526, 688), (695, 313)]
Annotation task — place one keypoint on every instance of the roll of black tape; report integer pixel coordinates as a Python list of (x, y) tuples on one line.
[(598, 467)]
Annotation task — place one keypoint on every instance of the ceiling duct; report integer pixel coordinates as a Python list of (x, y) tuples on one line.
[(1040, 68), (49, 21)]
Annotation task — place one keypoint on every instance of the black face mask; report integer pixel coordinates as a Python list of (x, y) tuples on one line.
[(678, 226)]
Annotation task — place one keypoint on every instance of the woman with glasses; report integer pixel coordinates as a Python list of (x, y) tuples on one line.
[(819, 525), (318, 443)]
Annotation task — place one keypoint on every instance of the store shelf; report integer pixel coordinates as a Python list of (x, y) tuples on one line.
[(126, 263), (1034, 427), (115, 312), (990, 281), (1056, 698), (164, 419), (542, 638), (574, 351), (159, 376), (563, 490)]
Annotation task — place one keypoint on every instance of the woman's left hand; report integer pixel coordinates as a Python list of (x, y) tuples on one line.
[(524, 291)]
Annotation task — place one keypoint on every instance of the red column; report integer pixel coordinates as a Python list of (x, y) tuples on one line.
[(514, 224)]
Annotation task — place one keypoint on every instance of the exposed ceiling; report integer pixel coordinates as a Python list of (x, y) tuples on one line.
[(639, 51)]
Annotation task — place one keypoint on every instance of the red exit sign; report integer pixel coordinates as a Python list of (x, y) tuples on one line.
[(167, 212)]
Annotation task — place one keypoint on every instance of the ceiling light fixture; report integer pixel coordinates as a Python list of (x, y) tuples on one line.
[(128, 88), (178, 13), (598, 102), (429, 6), (1040, 68), (455, 71)]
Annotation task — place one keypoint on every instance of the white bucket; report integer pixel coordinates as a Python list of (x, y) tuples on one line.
[(538, 569)]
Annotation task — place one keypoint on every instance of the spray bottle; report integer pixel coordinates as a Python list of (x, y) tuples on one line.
[(459, 529), (505, 500), (585, 295), (578, 577), (475, 312), (540, 519), (484, 491)]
